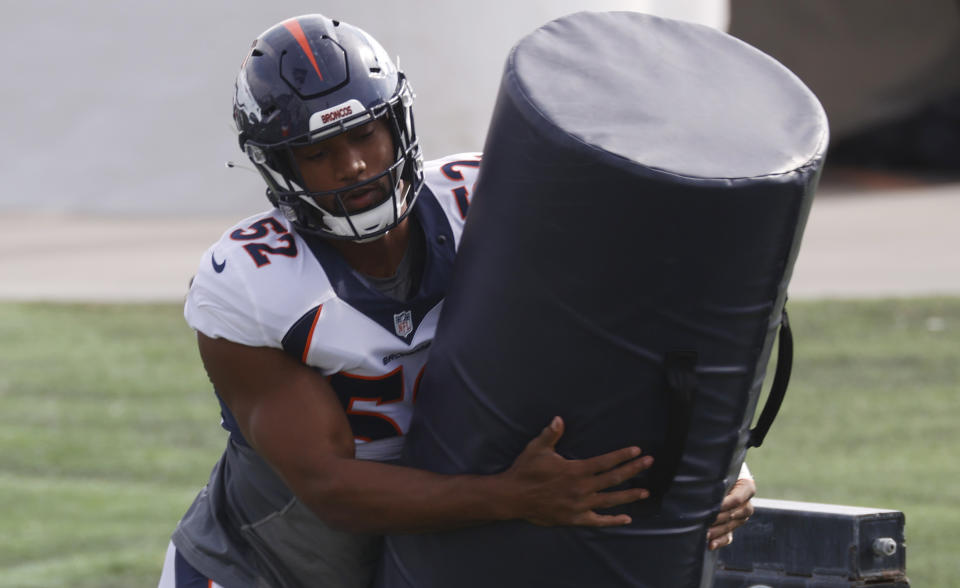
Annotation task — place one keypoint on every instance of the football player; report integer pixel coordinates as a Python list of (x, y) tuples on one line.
[(314, 320)]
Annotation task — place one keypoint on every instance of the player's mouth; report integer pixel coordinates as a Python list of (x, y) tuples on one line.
[(363, 198)]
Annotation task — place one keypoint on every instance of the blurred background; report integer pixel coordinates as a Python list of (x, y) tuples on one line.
[(886, 72), (125, 107), (116, 121)]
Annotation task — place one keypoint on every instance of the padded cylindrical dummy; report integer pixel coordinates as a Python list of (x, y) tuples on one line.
[(641, 200)]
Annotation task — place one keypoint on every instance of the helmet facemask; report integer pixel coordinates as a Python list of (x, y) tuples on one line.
[(286, 185)]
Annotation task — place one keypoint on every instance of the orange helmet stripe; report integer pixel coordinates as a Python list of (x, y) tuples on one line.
[(296, 30)]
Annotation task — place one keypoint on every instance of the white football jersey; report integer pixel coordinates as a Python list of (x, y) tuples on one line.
[(264, 285)]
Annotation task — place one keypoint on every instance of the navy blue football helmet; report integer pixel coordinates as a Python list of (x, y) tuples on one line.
[(310, 78)]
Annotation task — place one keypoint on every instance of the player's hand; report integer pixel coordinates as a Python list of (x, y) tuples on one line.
[(734, 512), (553, 490)]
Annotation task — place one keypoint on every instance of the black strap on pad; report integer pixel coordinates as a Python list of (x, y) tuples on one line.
[(779, 387), (681, 376)]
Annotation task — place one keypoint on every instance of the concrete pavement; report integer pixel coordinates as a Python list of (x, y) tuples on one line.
[(894, 241), (877, 243), (58, 257)]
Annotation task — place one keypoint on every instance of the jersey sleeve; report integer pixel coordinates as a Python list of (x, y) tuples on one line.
[(221, 302), (220, 306), (452, 180)]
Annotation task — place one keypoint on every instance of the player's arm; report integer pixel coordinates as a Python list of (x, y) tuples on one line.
[(292, 417)]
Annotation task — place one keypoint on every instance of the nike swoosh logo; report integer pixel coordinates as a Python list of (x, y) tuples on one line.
[(217, 267)]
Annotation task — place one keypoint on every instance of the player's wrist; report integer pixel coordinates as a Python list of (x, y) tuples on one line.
[(498, 500)]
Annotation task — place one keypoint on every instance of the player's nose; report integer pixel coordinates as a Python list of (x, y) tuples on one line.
[(349, 164)]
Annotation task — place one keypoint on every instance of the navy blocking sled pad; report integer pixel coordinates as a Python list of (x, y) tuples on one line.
[(640, 206)]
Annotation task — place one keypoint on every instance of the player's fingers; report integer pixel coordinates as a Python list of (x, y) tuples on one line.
[(621, 473), (592, 519), (737, 497), (611, 499), (718, 531), (730, 502), (609, 461), (723, 541), (728, 526), (741, 514), (548, 437), (725, 516), (741, 493)]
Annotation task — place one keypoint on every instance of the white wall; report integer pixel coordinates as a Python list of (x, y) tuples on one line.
[(124, 107)]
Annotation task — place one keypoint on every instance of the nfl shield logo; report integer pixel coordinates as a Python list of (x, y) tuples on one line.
[(403, 323)]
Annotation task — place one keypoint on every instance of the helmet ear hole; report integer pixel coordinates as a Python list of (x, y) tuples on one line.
[(256, 154)]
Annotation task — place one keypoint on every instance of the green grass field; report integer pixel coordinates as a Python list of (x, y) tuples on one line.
[(108, 428)]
